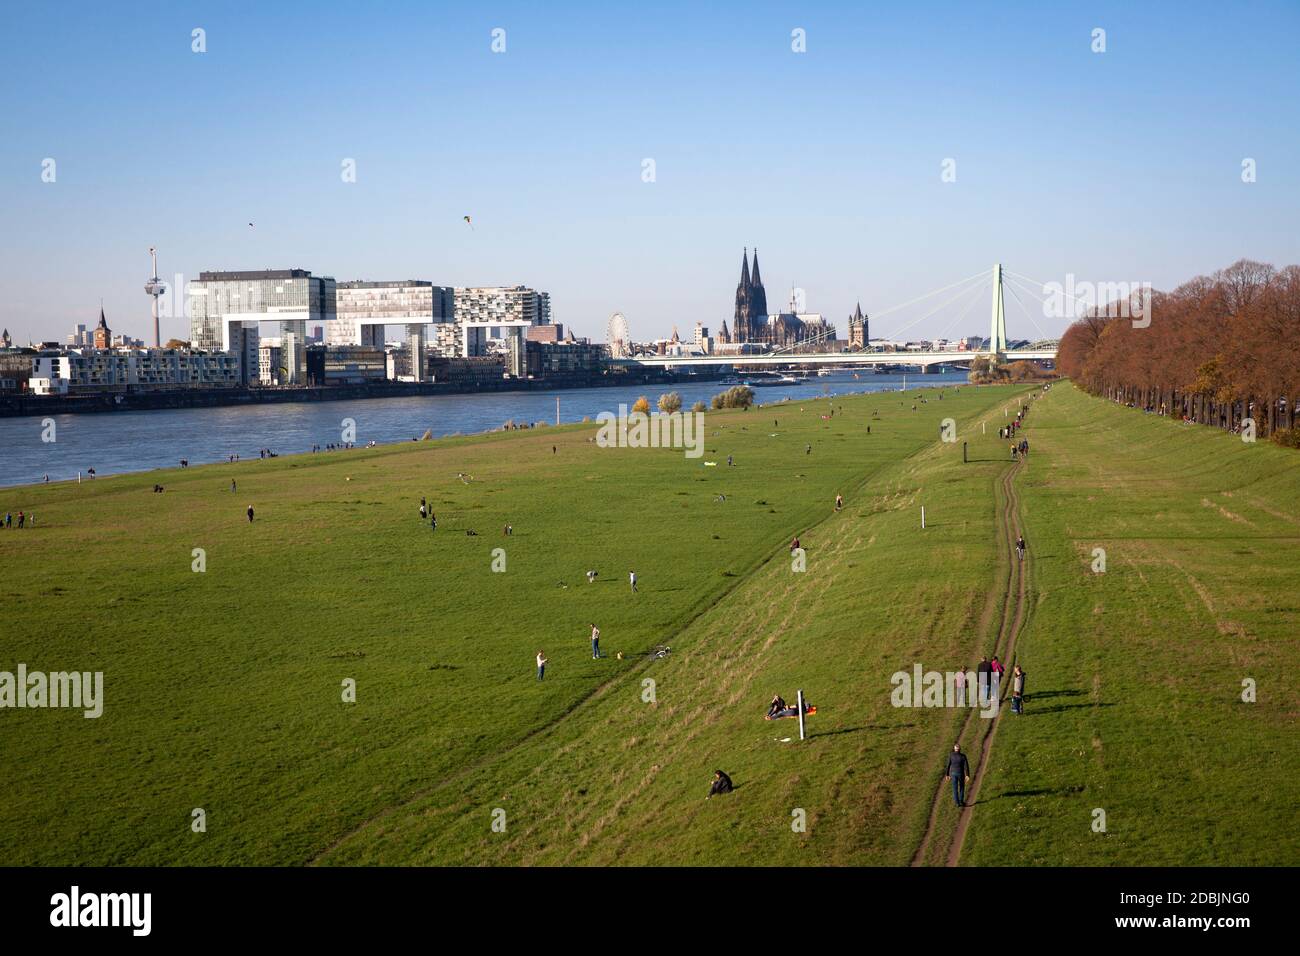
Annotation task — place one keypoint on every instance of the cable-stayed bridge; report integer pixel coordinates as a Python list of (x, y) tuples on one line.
[(964, 295)]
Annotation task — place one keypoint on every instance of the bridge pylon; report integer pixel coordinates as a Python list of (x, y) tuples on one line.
[(998, 321)]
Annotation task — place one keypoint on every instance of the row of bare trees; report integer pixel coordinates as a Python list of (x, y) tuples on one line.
[(1216, 351)]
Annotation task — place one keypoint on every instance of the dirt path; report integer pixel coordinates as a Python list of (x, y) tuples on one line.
[(1011, 620), (596, 693)]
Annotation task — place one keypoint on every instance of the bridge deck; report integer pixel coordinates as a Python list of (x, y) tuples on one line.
[(833, 358)]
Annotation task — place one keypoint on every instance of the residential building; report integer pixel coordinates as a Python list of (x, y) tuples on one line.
[(118, 370)]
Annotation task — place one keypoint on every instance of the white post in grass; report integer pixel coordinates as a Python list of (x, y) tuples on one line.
[(800, 695), (557, 409), (982, 424), (922, 517)]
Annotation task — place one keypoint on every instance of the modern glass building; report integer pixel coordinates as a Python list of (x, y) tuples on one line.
[(365, 309), (227, 309)]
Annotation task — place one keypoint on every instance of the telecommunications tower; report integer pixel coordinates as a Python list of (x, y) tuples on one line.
[(154, 288)]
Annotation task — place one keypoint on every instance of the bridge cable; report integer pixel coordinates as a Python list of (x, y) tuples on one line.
[(1028, 314), (897, 332), (964, 312), (1043, 285), (904, 305)]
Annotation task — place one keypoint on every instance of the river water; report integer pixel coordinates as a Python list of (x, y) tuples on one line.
[(116, 442)]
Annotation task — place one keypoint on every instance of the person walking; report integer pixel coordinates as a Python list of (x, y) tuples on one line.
[(1017, 690), (959, 684), (595, 642), (983, 680), (631, 577), (541, 665), (998, 670), (958, 771), (250, 514), (839, 502), (232, 486), (433, 521), (424, 512), (1020, 547), (20, 520)]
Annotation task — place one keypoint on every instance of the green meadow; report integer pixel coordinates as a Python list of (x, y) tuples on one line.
[(224, 689)]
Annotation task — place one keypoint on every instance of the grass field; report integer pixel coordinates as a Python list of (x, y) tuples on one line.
[(223, 688)]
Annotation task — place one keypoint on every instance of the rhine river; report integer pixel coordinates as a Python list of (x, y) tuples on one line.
[(116, 442)]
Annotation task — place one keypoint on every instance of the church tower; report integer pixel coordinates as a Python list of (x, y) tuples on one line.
[(744, 292), (859, 334), (103, 334), (758, 298), (750, 321)]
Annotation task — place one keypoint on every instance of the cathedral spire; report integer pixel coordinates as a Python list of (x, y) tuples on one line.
[(744, 269), (759, 309)]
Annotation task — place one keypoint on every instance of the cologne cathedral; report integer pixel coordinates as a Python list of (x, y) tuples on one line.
[(753, 323)]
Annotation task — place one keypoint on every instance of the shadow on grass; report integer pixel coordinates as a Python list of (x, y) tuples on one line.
[(1042, 792), (855, 730), (1031, 712), (1048, 694)]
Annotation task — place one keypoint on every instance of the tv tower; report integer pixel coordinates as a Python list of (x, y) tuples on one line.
[(154, 288)]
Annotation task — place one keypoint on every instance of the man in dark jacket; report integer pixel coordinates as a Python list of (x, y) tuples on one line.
[(721, 784), (958, 771)]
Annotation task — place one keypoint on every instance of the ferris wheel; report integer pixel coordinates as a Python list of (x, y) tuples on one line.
[(617, 336)]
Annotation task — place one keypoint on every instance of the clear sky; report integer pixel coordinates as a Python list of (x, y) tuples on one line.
[(1117, 166)]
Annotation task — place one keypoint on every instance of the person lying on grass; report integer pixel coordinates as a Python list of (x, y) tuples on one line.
[(787, 710)]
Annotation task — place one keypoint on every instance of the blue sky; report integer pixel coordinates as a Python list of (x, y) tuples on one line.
[(1120, 166)]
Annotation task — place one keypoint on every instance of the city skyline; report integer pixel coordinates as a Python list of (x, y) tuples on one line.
[(1107, 165)]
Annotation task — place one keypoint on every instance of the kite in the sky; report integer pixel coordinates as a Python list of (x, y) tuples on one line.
[(250, 225), (469, 222)]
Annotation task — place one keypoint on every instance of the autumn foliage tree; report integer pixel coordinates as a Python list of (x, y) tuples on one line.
[(1217, 350)]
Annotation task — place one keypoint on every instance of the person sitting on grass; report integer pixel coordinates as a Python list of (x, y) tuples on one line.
[(721, 784), (777, 705)]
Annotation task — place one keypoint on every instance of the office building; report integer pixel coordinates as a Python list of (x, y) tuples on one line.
[(228, 308), (365, 309)]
